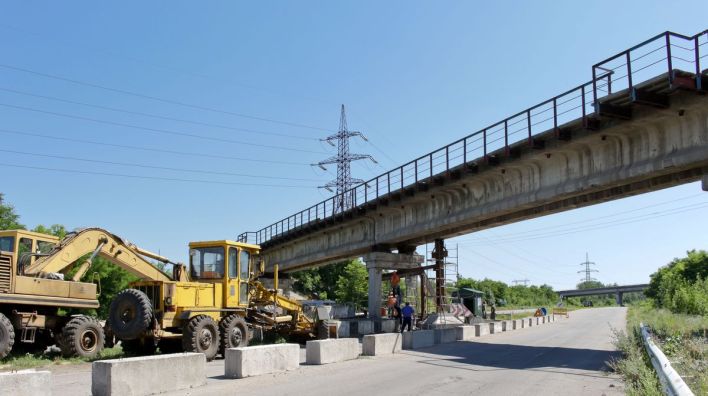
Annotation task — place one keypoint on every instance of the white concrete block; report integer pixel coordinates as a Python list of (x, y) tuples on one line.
[(262, 359), (147, 375), (495, 327), (418, 339), (331, 351), (531, 321), (481, 329), (445, 336), (388, 325), (515, 324), (382, 344), (465, 333), (507, 325), (537, 321), (343, 329), (361, 327), (26, 383)]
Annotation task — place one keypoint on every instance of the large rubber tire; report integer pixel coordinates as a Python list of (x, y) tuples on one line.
[(234, 333), (7, 336), (82, 337), (139, 347), (130, 314), (201, 335)]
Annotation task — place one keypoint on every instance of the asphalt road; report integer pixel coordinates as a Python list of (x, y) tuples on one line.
[(566, 357)]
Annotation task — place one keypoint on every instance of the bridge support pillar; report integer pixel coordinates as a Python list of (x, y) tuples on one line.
[(376, 262), (619, 297)]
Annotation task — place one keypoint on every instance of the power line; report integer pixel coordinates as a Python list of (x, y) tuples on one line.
[(149, 177), (139, 113), (524, 281), (159, 99), (155, 166), (622, 213), (150, 149), (156, 130)]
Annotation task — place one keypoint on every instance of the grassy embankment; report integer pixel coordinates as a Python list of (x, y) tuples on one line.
[(18, 361), (683, 338)]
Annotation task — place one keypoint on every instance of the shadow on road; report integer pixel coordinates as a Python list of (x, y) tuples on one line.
[(478, 356)]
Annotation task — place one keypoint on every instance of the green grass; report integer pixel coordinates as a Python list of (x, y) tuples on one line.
[(681, 337), (29, 360)]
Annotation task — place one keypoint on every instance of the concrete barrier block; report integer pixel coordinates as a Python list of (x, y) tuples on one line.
[(382, 344), (495, 327), (445, 336), (506, 325), (26, 383), (515, 324), (262, 359), (147, 375), (343, 330), (481, 329), (531, 321), (418, 339), (388, 325), (538, 321), (361, 327), (543, 320), (465, 333), (331, 351)]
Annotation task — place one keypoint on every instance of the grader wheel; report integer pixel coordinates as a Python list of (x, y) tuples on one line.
[(130, 314), (234, 333), (82, 337), (7, 336), (201, 335)]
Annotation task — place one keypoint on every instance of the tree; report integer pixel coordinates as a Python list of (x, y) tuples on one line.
[(352, 285), (57, 230), (320, 282), (9, 220), (682, 285)]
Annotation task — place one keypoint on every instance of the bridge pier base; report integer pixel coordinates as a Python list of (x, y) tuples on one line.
[(619, 299), (376, 262)]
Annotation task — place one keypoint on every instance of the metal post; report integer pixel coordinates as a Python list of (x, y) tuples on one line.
[(528, 125), (629, 72), (506, 137), (439, 254), (668, 57), (415, 169), (464, 150), (699, 80), (594, 87), (484, 142), (555, 115), (431, 165), (447, 158)]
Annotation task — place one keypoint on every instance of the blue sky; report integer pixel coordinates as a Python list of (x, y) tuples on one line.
[(264, 81)]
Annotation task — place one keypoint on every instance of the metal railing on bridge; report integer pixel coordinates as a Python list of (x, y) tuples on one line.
[(663, 53)]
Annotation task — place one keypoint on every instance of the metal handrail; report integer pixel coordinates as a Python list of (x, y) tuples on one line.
[(440, 161)]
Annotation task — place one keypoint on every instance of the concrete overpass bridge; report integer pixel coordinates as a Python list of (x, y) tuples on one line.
[(618, 291), (639, 125)]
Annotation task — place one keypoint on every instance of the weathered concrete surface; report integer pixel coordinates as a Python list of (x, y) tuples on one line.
[(481, 329), (506, 325), (343, 330), (418, 339), (444, 336), (495, 327), (385, 325), (382, 344), (26, 383), (361, 327), (656, 149), (516, 324), (147, 375), (331, 351), (262, 359), (376, 262), (465, 333)]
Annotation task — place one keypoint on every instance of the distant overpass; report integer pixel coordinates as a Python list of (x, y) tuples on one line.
[(618, 291)]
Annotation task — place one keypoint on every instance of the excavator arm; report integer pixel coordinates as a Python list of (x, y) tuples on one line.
[(99, 242)]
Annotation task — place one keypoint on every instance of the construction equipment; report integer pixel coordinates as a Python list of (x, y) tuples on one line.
[(221, 307), (33, 289), (217, 305)]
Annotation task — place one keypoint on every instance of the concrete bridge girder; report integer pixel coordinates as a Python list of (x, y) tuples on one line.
[(658, 148)]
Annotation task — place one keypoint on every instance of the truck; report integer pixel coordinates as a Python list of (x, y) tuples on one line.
[(218, 303)]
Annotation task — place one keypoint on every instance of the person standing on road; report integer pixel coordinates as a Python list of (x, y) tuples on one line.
[(407, 314)]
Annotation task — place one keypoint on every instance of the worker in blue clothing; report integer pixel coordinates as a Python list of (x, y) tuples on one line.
[(407, 314)]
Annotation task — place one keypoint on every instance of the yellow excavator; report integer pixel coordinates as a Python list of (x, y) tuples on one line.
[(216, 305)]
